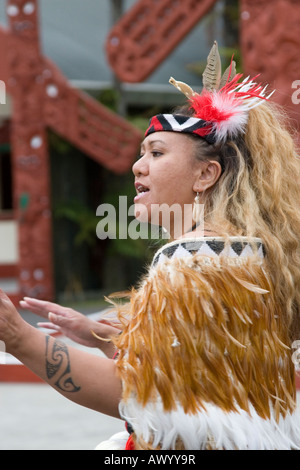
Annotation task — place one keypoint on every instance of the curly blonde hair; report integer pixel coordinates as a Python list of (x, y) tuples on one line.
[(258, 195)]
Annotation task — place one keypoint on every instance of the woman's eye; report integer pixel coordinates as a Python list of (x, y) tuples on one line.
[(154, 153)]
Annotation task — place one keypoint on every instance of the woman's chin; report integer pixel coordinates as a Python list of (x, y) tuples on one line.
[(141, 213)]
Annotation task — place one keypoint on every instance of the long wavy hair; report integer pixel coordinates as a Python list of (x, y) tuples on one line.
[(258, 195)]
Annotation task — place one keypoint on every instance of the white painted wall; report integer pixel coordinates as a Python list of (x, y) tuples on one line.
[(9, 252)]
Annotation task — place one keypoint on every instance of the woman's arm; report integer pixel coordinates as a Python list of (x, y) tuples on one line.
[(88, 380), (74, 325)]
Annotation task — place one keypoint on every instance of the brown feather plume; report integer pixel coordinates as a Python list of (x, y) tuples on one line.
[(199, 332), (212, 73)]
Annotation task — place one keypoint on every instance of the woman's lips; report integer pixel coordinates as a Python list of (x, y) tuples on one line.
[(141, 191), (139, 196)]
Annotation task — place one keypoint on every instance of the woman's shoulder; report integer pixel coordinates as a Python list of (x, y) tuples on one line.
[(232, 247)]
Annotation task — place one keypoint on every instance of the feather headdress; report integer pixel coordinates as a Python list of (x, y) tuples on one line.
[(221, 110)]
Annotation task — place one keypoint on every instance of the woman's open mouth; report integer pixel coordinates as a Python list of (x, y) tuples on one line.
[(141, 191)]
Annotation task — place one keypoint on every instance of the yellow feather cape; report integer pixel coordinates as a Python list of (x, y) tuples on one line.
[(204, 330)]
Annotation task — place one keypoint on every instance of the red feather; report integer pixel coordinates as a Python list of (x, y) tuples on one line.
[(219, 106), (204, 108)]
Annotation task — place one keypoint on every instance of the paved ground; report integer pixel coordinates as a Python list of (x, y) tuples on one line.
[(36, 417)]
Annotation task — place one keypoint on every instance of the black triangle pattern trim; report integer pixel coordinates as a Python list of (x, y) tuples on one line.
[(193, 247), (216, 245), (238, 247)]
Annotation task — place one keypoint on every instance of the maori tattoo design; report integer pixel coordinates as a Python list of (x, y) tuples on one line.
[(58, 365)]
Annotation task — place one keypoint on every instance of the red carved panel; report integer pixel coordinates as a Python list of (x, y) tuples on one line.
[(8, 270), (42, 98), (91, 127), (4, 72), (270, 42), (149, 32), (29, 152)]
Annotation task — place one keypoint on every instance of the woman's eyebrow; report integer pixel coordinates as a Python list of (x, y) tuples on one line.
[(152, 142)]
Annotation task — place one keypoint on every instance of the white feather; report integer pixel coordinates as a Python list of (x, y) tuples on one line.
[(237, 107), (231, 431)]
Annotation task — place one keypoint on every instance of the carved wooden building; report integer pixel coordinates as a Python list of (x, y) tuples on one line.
[(269, 41), (42, 98)]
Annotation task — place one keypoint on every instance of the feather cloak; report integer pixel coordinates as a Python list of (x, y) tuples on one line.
[(204, 358)]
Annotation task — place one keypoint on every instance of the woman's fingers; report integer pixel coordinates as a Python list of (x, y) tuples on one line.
[(53, 318), (42, 307)]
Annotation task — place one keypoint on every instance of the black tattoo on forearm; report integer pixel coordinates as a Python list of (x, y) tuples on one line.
[(58, 365)]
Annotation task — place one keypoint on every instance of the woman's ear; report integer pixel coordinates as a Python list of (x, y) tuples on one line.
[(209, 173)]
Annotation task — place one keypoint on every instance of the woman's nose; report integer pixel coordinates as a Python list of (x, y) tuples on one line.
[(140, 167)]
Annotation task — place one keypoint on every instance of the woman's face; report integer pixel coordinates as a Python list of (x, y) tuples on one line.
[(164, 175)]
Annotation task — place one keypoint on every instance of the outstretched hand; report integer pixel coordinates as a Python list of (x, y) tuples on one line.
[(70, 323), (11, 323), (63, 367)]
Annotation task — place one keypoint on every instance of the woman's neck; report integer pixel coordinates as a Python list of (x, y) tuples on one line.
[(197, 230), (199, 233)]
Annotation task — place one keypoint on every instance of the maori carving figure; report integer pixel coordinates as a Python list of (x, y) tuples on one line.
[(31, 186), (149, 32), (42, 98), (270, 44), (269, 37)]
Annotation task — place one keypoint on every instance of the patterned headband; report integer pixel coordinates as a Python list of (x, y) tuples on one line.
[(221, 110), (180, 123)]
